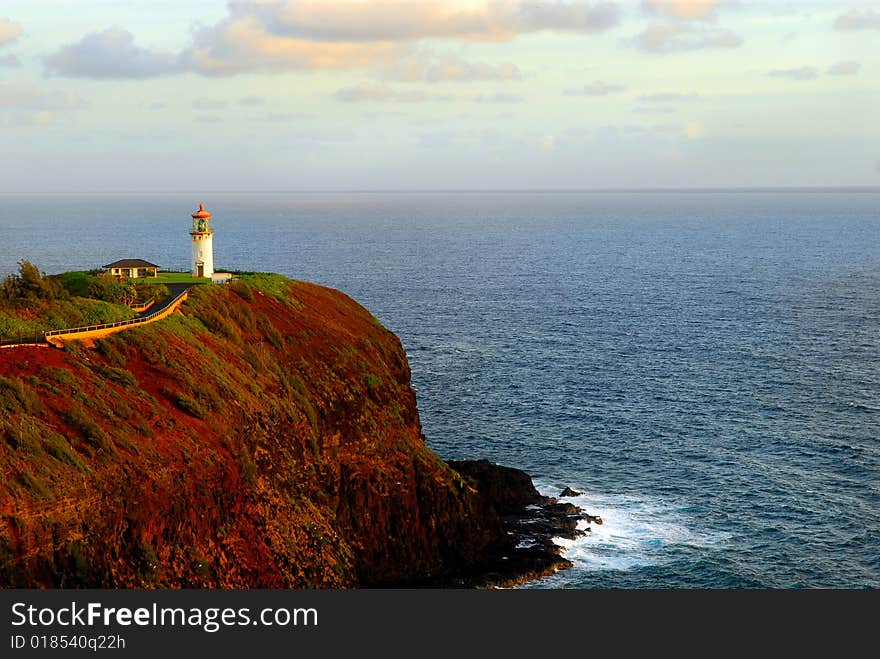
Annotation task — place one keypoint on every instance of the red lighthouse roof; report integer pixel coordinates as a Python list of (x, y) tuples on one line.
[(201, 214)]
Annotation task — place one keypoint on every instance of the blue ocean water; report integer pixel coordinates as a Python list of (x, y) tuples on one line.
[(704, 366)]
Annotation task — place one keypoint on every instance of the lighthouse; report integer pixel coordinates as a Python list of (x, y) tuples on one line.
[(202, 244)]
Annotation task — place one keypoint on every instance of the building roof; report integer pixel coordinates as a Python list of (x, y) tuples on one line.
[(201, 213), (131, 263)]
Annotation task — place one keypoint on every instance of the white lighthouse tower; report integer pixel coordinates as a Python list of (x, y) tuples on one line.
[(202, 244)]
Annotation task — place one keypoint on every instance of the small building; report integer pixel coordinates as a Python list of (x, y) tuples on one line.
[(132, 268)]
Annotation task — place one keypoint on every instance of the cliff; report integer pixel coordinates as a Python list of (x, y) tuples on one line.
[(265, 436)]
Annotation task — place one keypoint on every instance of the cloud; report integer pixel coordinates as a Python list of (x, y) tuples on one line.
[(30, 98), (252, 101), (449, 68), (244, 45), (684, 9), (399, 20), (42, 118), (369, 91), (653, 110), (802, 73), (208, 119), (208, 104), (271, 35), (9, 31), (596, 88), (669, 98), (844, 69), (437, 139), (10, 61), (26, 105), (108, 55), (284, 117), (327, 135), (498, 98), (548, 143), (858, 19), (679, 37), (693, 130), (290, 35)]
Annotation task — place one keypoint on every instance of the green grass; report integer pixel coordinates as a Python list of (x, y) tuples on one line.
[(269, 283), (174, 278), (76, 282), (59, 314)]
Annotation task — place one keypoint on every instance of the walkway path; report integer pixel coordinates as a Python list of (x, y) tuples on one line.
[(177, 294)]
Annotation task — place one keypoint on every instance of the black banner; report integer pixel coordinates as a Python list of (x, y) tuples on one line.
[(423, 622)]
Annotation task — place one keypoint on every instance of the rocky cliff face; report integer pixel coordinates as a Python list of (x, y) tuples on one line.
[(264, 437)]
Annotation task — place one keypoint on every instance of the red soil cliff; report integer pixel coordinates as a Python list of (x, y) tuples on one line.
[(264, 436)]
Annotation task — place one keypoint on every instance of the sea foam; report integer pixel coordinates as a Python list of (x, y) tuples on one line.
[(635, 532)]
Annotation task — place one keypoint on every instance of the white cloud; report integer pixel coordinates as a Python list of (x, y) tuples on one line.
[(548, 143), (284, 117), (289, 35), (669, 97), (596, 88), (800, 74), (449, 68), (208, 104), (306, 34), (858, 19), (9, 31), (42, 118), (369, 91), (693, 130), (680, 37), (110, 54), (31, 98), (10, 61), (27, 105), (685, 9), (400, 20), (244, 45), (252, 101), (844, 69), (498, 98), (648, 109)]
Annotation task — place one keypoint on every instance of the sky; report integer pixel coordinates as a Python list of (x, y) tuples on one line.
[(270, 95)]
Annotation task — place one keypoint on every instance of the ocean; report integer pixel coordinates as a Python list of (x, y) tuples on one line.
[(704, 366)]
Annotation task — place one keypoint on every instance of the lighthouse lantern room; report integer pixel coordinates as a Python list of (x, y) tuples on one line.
[(202, 244)]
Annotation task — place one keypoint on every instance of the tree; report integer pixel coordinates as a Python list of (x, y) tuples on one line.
[(30, 285), (105, 287)]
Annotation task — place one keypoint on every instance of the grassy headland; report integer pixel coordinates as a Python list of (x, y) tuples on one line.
[(32, 302)]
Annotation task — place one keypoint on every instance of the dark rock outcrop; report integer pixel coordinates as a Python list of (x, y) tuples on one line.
[(530, 520)]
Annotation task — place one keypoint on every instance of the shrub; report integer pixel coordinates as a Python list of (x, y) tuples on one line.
[(59, 448), (80, 420), (109, 347), (16, 396), (34, 485), (118, 375), (188, 404)]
